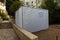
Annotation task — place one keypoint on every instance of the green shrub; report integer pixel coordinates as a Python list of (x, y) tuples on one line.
[(51, 6), (15, 5), (4, 16), (12, 6)]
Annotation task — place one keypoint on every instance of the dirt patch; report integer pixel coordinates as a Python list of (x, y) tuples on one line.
[(53, 33)]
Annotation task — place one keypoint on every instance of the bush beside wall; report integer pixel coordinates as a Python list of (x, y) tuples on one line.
[(12, 6), (54, 15)]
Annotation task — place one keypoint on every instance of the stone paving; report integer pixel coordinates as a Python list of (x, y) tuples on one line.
[(8, 34)]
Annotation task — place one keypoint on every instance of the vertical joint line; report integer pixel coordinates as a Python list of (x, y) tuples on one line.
[(22, 16)]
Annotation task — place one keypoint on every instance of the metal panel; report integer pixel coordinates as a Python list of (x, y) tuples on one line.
[(33, 19)]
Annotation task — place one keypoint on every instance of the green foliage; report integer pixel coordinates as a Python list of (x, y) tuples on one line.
[(15, 5), (3, 15), (51, 6), (12, 6)]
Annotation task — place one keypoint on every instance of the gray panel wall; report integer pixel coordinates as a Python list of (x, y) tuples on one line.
[(32, 19)]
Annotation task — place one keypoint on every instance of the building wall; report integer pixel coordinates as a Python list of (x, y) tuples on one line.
[(31, 3), (35, 3)]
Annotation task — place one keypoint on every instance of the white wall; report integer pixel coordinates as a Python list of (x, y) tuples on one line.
[(32, 19), (18, 17)]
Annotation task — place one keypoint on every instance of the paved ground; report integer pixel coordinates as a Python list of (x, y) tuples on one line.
[(8, 34), (53, 33)]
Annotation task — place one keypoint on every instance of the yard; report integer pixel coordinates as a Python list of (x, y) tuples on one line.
[(7, 33)]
